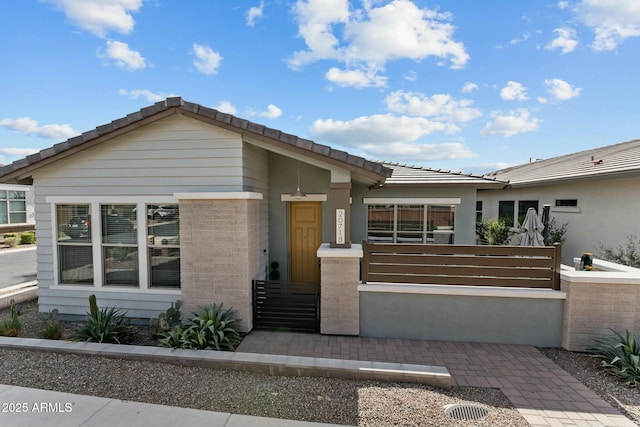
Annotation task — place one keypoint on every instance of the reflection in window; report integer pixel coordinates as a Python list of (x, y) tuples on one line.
[(163, 241), (75, 257), (411, 224), (119, 245), (506, 211), (13, 207)]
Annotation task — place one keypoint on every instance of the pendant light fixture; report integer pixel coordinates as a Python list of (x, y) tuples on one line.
[(298, 194)]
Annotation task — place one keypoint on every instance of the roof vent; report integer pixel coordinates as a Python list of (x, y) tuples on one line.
[(466, 411)]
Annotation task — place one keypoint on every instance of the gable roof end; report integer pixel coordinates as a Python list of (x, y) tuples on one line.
[(176, 105)]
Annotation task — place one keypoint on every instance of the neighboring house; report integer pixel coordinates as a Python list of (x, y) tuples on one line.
[(595, 192), (179, 201), (16, 208)]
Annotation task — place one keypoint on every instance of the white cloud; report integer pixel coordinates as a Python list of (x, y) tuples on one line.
[(144, 93), (368, 38), (124, 57), (611, 20), (565, 41), (226, 107), (563, 5), (272, 112), (355, 78), (405, 152), (518, 121), (514, 91), (29, 126), (469, 87), (100, 16), (376, 129), (254, 13), (207, 60), (561, 90), (17, 152), (440, 107)]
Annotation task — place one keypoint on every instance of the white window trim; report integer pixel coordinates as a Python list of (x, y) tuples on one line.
[(308, 198), (565, 209), (96, 247)]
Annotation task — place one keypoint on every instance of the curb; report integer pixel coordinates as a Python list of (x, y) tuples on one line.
[(270, 364), (19, 293)]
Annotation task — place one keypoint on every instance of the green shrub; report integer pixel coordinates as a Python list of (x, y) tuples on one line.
[(210, 328), (12, 327), (556, 233), (620, 356), (625, 255), (52, 329), (28, 238), (107, 325), (497, 231), (11, 239)]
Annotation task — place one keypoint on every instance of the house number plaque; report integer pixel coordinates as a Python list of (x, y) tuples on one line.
[(340, 233)]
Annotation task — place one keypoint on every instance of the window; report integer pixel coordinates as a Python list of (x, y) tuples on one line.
[(13, 207), (128, 244), (506, 211), (119, 244), (410, 223), (566, 202), (523, 207), (479, 211), (163, 234), (75, 257)]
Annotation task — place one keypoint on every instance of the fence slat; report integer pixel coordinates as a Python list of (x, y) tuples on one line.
[(519, 266)]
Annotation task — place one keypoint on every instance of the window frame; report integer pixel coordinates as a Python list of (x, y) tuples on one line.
[(98, 267), (427, 234), (6, 201)]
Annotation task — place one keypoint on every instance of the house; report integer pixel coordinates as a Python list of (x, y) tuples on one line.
[(180, 201), (16, 208), (593, 192)]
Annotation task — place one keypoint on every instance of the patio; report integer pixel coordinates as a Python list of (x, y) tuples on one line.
[(544, 394)]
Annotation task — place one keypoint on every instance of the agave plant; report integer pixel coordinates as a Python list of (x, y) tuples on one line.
[(107, 325), (210, 328), (619, 355)]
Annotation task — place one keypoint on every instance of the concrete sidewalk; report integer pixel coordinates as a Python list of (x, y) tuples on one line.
[(21, 407)]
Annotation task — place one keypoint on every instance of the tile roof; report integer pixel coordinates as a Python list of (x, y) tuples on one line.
[(177, 104), (417, 175), (616, 160)]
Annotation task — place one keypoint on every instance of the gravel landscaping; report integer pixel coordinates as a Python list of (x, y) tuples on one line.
[(340, 401)]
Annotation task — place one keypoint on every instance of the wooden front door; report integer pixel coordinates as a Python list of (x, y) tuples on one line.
[(305, 237)]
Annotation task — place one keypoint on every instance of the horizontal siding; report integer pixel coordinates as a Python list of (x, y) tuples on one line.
[(175, 154), (144, 305)]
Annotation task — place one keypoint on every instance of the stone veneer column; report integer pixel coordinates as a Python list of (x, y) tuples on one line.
[(219, 248), (339, 298)]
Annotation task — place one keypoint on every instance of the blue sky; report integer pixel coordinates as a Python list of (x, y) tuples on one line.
[(458, 85)]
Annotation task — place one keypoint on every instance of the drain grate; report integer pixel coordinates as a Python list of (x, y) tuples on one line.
[(466, 411)]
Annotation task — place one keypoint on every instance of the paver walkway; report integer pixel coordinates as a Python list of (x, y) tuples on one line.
[(544, 393)]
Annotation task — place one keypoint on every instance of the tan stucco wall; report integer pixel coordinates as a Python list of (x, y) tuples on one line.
[(219, 254)]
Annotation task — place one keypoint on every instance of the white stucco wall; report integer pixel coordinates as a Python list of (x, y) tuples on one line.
[(607, 211)]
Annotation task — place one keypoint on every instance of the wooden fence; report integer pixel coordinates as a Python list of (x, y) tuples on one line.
[(503, 266)]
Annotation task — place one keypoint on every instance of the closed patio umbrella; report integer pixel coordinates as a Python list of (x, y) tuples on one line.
[(532, 226)]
